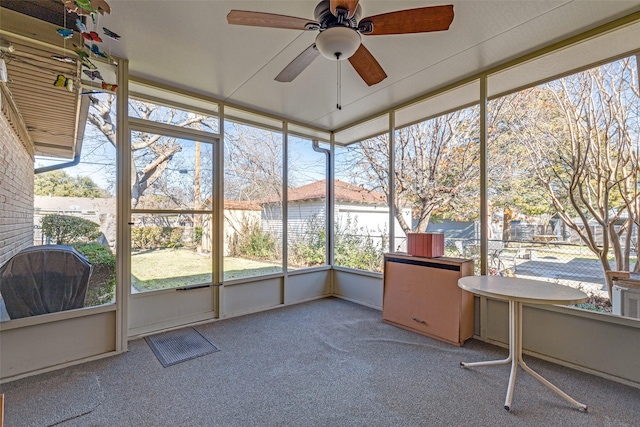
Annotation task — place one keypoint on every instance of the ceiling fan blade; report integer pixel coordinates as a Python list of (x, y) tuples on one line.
[(298, 65), (420, 20), (271, 20), (349, 5), (367, 66)]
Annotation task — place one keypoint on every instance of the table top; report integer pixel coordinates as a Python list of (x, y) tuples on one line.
[(522, 290)]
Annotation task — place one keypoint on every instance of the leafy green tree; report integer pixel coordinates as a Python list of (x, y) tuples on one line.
[(60, 183), (512, 182)]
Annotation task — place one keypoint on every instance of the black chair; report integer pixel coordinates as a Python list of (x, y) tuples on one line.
[(44, 279)]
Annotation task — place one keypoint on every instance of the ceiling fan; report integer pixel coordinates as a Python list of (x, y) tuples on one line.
[(340, 29)]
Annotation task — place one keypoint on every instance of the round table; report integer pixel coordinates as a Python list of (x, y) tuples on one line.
[(518, 291)]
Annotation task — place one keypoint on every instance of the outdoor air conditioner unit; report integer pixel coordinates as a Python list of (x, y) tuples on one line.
[(626, 301)]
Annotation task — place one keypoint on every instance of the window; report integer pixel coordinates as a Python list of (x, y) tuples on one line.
[(307, 202), (171, 198), (253, 220), (176, 116), (437, 172), (361, 234), (75, 206), (563, 177)]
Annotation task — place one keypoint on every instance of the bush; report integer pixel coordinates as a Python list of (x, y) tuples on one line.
[(354, 247), (66, 229), (154, 237), (198, 235), (311, 248), (102, 284), (252, 242)]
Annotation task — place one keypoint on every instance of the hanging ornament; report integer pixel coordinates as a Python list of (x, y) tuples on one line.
[(98, 52), (93, 74), (87, 63), (80, 51), (92, 36), (62, 81), (101, 6), (110, 34), (87, 7), (79, 7), (108, 86), (65, 33), (64, 59)]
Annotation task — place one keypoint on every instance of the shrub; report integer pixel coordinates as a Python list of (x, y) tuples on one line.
[(354, 247), (172, 237), (102, 284), (66, 229), (154, 237), (252, 242), (197, 238), (145, 237), (311, 247)]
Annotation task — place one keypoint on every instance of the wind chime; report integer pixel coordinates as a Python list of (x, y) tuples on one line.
[(92, 42)]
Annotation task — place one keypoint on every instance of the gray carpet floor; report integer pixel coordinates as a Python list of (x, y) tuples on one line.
[(323, 363)]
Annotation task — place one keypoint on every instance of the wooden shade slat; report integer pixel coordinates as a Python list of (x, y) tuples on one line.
[(48, 113), (28, 99)]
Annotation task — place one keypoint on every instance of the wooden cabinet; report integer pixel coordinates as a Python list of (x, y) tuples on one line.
[(422, 295)]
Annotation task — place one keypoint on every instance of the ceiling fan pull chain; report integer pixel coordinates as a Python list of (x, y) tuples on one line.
[(339, 82)]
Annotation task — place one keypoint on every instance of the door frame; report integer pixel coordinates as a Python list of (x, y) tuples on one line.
[(158, 310)]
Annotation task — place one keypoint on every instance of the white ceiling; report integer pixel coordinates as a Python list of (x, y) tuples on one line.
[(189, 45)]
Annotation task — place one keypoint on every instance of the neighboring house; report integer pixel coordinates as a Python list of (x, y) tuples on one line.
[(102, 211), (467, 230), (355, 208)]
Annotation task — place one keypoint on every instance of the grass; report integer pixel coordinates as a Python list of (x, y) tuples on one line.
[(168, 268), (172, 268)]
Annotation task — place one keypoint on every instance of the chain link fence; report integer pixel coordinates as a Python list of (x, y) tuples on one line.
[(540, 258)]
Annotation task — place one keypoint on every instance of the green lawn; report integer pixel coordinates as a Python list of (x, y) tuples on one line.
[(172, 268)]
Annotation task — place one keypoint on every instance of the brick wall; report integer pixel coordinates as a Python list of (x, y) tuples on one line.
[(16, 194)]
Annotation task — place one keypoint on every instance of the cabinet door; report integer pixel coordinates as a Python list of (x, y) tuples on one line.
[(425, 299), (440, 303), (399, 289)]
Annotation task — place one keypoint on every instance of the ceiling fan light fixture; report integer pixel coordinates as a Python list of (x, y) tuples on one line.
[(338, 42)]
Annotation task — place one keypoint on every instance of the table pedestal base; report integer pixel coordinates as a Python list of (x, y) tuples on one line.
[(515, 358)]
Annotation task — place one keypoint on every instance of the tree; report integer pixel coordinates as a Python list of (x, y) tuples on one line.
[(253, 163), (436, 168), (151, 154), (513, 187), (581, 141), (60, 183)]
